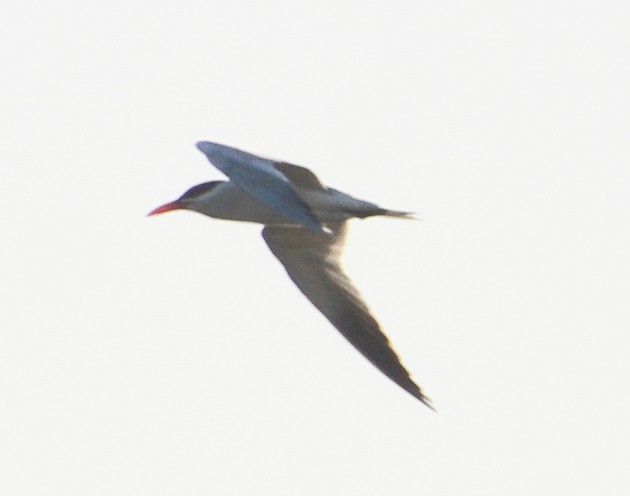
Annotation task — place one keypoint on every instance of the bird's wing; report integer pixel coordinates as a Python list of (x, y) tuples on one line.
[(312, 262), (261, 179), (299, 176)]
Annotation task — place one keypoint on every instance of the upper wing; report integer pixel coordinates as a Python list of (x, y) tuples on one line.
[(312, 262), (299, 176), (259, 178)]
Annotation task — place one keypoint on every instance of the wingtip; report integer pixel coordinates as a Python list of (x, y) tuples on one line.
[(427, 402), (418, 394), (204, 146), (414, 390)]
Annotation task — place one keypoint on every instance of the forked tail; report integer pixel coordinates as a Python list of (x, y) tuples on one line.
[(398, 213)]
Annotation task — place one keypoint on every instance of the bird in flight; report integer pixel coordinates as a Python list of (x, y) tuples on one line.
[(305, 227)]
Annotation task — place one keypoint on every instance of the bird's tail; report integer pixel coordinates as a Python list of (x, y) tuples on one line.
[(373, 210), (398, 213)]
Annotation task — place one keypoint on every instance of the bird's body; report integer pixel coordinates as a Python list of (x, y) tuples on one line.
[(305, 224)]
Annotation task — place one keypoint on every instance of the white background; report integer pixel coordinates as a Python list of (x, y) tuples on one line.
[(172, 355)]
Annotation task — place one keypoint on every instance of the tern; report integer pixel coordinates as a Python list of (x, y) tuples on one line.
[(304, 227)]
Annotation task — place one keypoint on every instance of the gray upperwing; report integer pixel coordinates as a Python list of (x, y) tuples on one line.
[(312, 262), (259, 178), (299, 176)]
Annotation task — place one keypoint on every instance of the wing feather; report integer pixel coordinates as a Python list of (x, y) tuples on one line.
[(312, 262), (259, 177), (299, 176)]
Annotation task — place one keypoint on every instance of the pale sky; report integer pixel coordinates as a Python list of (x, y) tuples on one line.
[(172, 355)]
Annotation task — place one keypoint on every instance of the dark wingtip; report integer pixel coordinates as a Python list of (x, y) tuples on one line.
[(427, 402), (418, 394)]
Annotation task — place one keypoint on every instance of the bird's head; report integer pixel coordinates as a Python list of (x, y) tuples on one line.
[(193, 199)]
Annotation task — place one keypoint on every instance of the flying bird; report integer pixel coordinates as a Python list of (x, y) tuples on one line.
[(305, 227)]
